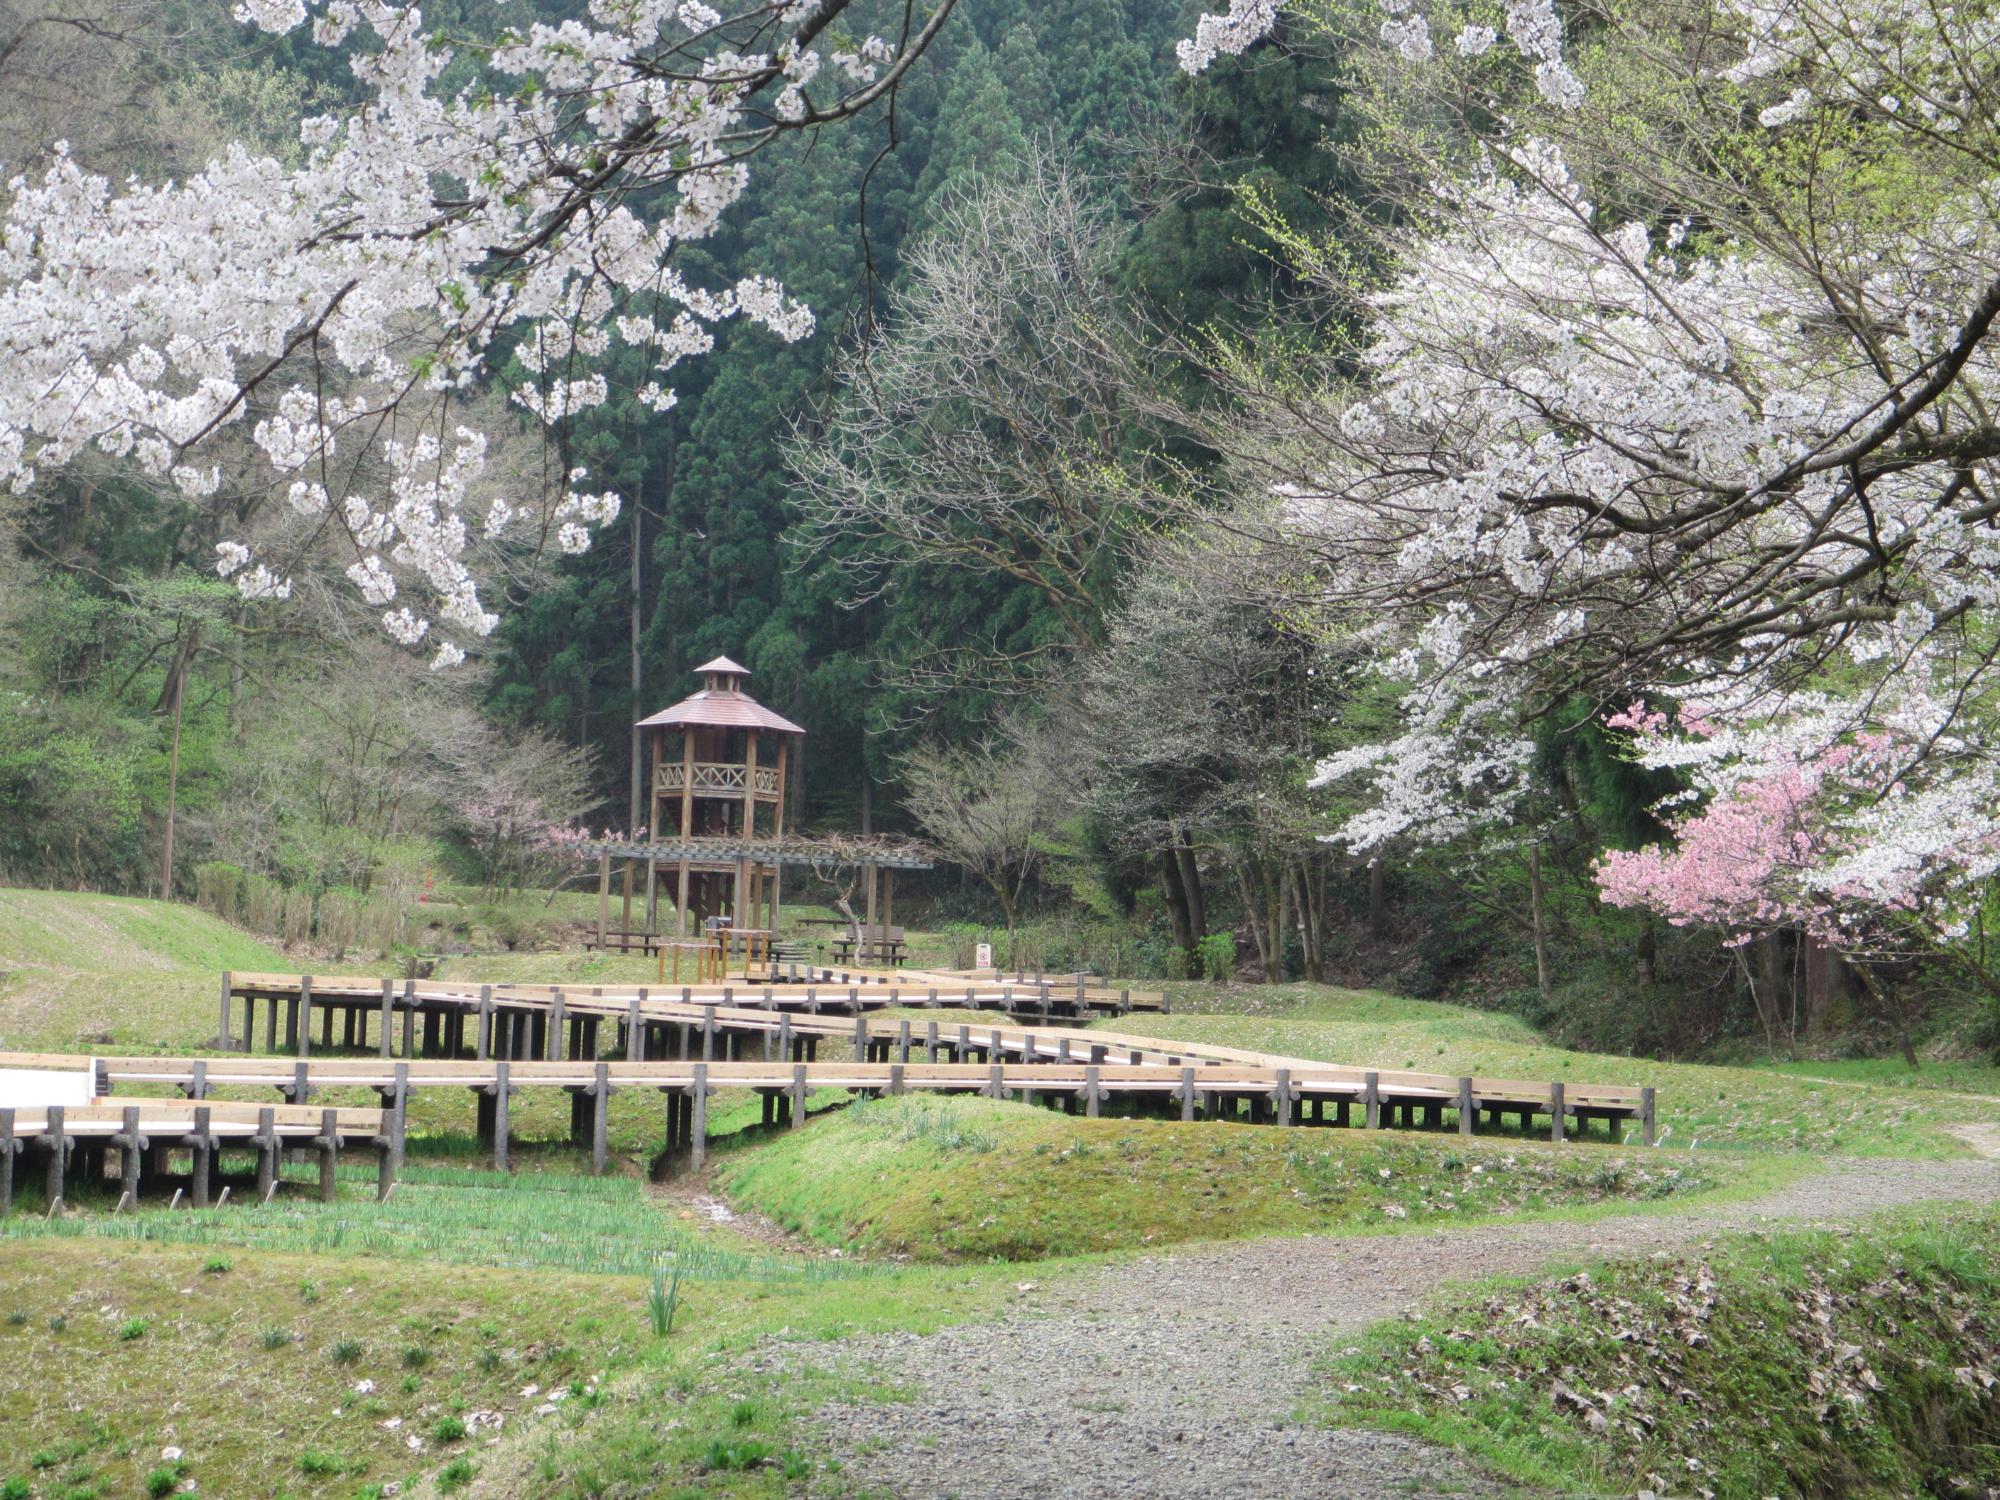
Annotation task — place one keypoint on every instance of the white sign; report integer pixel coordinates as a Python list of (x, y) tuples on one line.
[(38, 1088), (985, 957)]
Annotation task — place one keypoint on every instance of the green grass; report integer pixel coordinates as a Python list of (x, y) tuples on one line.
[(78, 972), (590, 1402), (1796, 1363), (1704, 1107), (456, 1216), (969, 1179)]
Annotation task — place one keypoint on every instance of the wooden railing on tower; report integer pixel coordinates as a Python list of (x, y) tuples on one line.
[(712, 778)]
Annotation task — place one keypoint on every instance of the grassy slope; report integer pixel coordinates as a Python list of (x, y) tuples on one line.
[(85, 1412), (971, 1179), (141, 973), (1797, 1363), (1755, 1108)]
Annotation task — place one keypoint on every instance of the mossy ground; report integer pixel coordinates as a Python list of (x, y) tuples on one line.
[(970, 1179), (1857, 1363)]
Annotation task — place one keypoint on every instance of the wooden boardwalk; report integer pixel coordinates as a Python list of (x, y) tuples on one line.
[(74, 1140), (369, 1012), (495, 1041)]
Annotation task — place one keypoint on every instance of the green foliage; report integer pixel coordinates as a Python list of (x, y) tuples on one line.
[(663, 1300), (1216, 955)]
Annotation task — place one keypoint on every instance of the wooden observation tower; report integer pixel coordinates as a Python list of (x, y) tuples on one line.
[(719, 764)]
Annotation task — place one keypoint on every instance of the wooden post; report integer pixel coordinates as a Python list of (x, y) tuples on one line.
[(1646, 1115), (603, 896), (399, 1121), (600, 1118), (1093, 1092), (1465, 1110), (1187, 1095), (267, 1152), (222, 1024), (698, 1129), (1283, 1095), (1371, 1099), (388, 1013), (873, 877), (8, 1146), (202, 1145), (798, 1095), (328, 1143), (556, 1047), (502, 1087), (483, 1038), (130, 1145), (1556, 1111), (409, 1016), (305, 1012)]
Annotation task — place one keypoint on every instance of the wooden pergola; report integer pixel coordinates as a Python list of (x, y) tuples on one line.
[(764, 858)]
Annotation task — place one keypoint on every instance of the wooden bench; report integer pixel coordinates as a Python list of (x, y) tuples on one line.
[(876, 944), (615, 940)]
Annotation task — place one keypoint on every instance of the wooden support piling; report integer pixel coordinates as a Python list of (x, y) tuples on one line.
[(328, 1145), (502, 1087), (1646, 1116), (600, 1120), (1371, 1099), (1556, 1111), (698, 1126)]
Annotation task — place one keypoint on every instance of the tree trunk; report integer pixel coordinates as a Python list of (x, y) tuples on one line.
[(1645, 954), (177, 688), (1299, 878), (1197, 907), (1252, 914), (1176, 898), (1378, 898), (1538, 918), (1771, 971), (1892, 1013), (637, 791)]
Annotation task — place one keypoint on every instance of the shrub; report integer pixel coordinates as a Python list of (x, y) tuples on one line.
[(1216, 954), (346, 1352), (16, 1488), (415, 1356), (448, 1430), (455, 1474), (161, 1481), (132, 1328)]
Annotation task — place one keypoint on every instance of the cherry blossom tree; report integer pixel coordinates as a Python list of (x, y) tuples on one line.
[(342, 311), (1666, 388)]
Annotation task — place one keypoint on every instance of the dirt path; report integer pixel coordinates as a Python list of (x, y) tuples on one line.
[(1173, 1377)]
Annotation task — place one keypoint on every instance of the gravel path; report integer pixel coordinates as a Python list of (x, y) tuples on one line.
[(1172, 1377)]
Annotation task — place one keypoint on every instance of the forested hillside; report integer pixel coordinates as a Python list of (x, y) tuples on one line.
[(1291, 495)]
